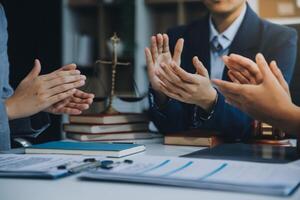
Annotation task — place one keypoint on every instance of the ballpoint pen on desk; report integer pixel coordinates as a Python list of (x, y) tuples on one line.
[(92, 163), (87, 164)]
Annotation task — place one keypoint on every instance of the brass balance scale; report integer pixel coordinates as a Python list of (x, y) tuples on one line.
[(115, 40)]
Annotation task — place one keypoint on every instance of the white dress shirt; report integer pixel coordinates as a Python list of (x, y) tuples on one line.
[(220, 44)]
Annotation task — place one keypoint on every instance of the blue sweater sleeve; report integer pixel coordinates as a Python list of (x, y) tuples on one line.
[(5, 89)]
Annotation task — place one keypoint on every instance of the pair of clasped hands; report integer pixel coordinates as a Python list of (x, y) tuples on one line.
[(56, 93), (258, 88)]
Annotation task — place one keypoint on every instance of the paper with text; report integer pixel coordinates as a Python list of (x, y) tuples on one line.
[(276, 179), (37, 165)]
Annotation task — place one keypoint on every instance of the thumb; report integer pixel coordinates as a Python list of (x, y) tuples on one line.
[(36, 70), (200, 69)]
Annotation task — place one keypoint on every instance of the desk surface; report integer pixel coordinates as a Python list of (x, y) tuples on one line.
[(72, 188)]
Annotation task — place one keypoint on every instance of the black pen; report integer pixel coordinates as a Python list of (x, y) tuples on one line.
[(83, 167)]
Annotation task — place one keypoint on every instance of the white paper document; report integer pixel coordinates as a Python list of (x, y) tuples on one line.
[(38, 166), (272, 179)]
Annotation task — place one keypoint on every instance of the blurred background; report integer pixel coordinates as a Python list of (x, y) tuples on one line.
[(78, 31)]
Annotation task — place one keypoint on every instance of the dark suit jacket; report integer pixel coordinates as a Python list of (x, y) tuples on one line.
[(254, 35)]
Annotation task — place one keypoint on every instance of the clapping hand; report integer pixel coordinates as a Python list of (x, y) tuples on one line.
[(160, 53), (267, 100), (38, 92)]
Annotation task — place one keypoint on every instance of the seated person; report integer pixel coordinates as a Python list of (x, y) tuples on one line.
[(181, 94), (53, 93), (261, 91)]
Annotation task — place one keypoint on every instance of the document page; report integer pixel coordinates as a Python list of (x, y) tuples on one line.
[(38, 165), (280, 179)]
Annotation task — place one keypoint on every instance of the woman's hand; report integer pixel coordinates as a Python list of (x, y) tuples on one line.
[(244, 71), (267, 101), (73, 105), (38, 92)]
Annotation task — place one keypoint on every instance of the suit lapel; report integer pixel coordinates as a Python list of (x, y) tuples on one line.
[(198, 43)]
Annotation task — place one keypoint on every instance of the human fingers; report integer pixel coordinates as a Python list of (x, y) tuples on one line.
[(81, 100), (83, 95), (63, 88), (160, 41), (59, 97), (68, 111), (171, 93), (263, 66), (149, 61), (228, 87), (245, 66), (200, 69), (78, 106), (61, 73), (34, 73), (240, 77), (62, 103), (178, 50), (233, 77), (63, 80), (166, 47), (169, 75), (185, 76), (278, 74), (154, 49), (171, 86), (68, 67)]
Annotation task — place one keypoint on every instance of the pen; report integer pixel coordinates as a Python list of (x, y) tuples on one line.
[(83, 167)]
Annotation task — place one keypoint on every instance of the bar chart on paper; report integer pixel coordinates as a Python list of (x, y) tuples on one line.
[(279, 179)]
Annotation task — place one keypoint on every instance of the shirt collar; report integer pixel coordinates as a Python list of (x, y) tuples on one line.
[(228, 35)]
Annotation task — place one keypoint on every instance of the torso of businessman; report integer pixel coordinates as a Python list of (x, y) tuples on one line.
[(247, 36)]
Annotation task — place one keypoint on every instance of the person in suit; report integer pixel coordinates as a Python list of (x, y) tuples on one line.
[(54, 93), (260, 90), (181, 94)]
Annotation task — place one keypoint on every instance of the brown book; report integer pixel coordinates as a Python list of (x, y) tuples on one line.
[(105, 128), (193, 138), (112, 136), (108, 118)]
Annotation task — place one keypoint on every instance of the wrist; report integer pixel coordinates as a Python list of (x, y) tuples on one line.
[(208, 103), (10, 109)]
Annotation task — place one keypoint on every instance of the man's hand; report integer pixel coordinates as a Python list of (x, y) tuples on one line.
[(38, 92), (267, 101), (186, 87), (160, 53)]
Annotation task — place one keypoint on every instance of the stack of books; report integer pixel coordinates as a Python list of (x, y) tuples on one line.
[(108, 127)]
